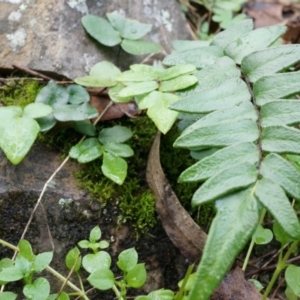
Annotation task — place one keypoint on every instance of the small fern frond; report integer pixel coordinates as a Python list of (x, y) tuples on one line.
[(246, 112)]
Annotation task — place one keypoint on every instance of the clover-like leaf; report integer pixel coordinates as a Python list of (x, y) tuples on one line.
[(101, 30), (262, 235), (99, 260), (39, 289), (136, 276), (37, 110), (87, 150), (127, 259), (102, 279), (118, 149), (116, 134), (77, 94)]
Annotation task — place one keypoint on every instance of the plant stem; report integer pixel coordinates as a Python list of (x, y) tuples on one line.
[(180, 294), (117, 292), (262, 216), (280, 266)]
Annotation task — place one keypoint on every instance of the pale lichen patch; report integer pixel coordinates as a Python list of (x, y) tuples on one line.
[(17, 40), (79, 5)]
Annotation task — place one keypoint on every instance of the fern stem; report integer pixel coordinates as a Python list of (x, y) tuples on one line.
[(280, 266), (262, 216)]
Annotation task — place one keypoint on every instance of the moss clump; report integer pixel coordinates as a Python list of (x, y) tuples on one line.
[(20, 93)]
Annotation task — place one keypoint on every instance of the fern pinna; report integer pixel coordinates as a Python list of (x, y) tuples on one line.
[(246, 113)]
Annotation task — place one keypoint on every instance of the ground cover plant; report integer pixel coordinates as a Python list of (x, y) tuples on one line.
[(238, 97)]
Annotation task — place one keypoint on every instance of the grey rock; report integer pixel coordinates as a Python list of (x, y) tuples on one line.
[(47, 35)]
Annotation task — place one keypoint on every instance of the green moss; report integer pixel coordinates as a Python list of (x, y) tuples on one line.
[(21, 92)]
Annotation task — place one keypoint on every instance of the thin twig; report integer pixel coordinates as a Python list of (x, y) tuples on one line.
[(34, 73)]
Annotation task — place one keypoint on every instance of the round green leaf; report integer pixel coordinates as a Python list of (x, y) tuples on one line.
[(40, 289), (100, 260), (129, 29), (73, 257), (77, 94), (84, 127), (106, 72), (114, 168), (127, 259), (116, 134), (42, 261), (139, 47), (62, 296), (37, 110), (95, 234), (136, 277), (87, 150), (138, 89), (10, 112), (262, 236), (17, 136), (53, 95), (8, 296), (102, 279), (75, 112), (101, 30), (113, 93), (292, 277), (46, 123), (132, 76), (118, 149), (10, 274), (161, 294), (25, 250)]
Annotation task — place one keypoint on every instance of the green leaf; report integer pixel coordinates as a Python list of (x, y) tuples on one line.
[(147, 70), (138, 89), (236, 219), (139, 47), (281, 139), (10, 274), (181, 45), (87, 150), (42, 261), (158, 109), (53, 94), (178, 83), (269, 61), (252, 41), (25, 250), (77, 94), (38, 290), (228, 93), (220, 135), (17, 136), (84, 244), (99, 260), (101, 30), (292, 277), (106, 72), (8, 296), (127, 259), (212, 76), (75, 112), (116, 134), (136, 276), (280, 112), (46, 123), (118, 149), (262, 235), (113, 93), (281, 172), (176, 71), (85, 127), (219, 161), (277, 86), (161, 294), (243, 111), (23, 265), (274, 199), (73, 258), (129, 29), (114, 168), (233, 33), (37, 110), (225, 182), (102, 279), (280, 235), (200, 57), (257, 284), (95, 234), (103, 244), (62, 296)]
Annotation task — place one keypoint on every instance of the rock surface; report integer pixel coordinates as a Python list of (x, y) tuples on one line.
[(47, 35)]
